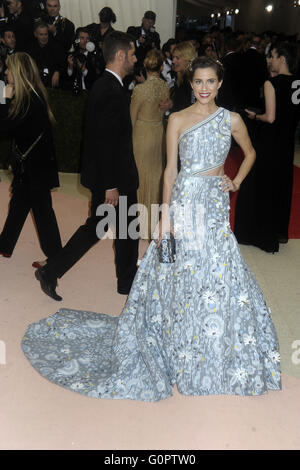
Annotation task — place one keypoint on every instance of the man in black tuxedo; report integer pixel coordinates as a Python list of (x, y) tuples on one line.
[(8, 43), (49, 56), (61, 29), (108, 169), (82, 63), (230, 93), (146, 36), (255, 73), (21, 23)]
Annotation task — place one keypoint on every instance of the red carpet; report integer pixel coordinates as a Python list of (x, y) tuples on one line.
[(233, 162)]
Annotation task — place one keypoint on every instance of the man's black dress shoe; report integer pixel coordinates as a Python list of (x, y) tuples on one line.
[(47, 285)]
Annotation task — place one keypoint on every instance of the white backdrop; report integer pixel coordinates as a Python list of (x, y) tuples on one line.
[(128, 13)]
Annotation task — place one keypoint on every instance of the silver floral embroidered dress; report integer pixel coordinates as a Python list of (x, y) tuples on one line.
[(200, 323)]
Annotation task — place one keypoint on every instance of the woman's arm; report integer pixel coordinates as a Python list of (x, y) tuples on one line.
[(170, 174), (135, 106), (270, 100), (241, 136)]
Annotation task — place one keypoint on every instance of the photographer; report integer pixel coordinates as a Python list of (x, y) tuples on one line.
[(146, 37), (18, 19), (7, 47), (81, 72), (99, 31), (49, 56), (61, 29)]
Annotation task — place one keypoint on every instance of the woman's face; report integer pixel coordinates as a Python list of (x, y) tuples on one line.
[(205, 85), (179, 64), (10, 78)]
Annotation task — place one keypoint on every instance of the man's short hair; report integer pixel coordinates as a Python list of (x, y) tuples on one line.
[(40, 24), (81, 30), (150, 15), (7, 29), (115, 41)]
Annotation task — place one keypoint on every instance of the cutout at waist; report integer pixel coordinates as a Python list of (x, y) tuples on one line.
[(211, 171)]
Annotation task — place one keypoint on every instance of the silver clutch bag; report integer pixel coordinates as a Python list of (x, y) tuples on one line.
[(167, 249)]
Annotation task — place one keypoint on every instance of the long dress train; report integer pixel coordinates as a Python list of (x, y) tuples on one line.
[(200, 323)]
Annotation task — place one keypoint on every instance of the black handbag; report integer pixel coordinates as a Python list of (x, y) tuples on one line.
[(167, 249), (17, 158)]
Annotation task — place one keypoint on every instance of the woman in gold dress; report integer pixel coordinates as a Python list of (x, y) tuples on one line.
[(148, 138)]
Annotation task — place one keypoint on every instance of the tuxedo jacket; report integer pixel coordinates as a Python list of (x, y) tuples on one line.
[(142, 50), (230, 95), (255, 73), (65, 33), (108, 160), (89, 79), (23, 28), (41, 165), (95, 33), (51, 56)]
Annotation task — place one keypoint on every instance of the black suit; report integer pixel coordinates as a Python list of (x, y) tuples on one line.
[(94, 31), (51, 57), (89, 78), (23, 27), (65, 33), (230, 95), (32, 190), (107, 163), (255, 73), (143, 49)]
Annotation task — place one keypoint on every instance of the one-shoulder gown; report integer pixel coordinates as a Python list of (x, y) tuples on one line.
[(200, 323)]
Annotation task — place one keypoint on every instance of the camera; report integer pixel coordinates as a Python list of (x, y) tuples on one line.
[(149, 38)]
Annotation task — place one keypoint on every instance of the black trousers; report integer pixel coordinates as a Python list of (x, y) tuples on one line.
[(126, 249), (25, 198)]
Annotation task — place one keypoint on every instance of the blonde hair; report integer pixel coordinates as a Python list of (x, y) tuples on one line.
[(154, 60), (187, 52), (27, 79)]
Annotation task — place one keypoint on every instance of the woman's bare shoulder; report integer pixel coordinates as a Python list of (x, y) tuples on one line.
[(236, 119)]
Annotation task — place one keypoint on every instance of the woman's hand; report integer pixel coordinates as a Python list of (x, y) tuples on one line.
[(164, 226), (140, 78), (112, 197), (250, 114), (166, 105), (55, 80), (228, 185), (9, 91)]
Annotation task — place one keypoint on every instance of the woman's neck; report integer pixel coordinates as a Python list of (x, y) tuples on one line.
[(205, 109), (152, 74)]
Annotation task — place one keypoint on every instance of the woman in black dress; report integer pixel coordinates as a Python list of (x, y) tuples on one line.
[(273, 173), (26, 116), (183, 55)]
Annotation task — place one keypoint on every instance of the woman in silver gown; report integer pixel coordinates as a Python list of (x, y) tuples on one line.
[(200, 323)]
